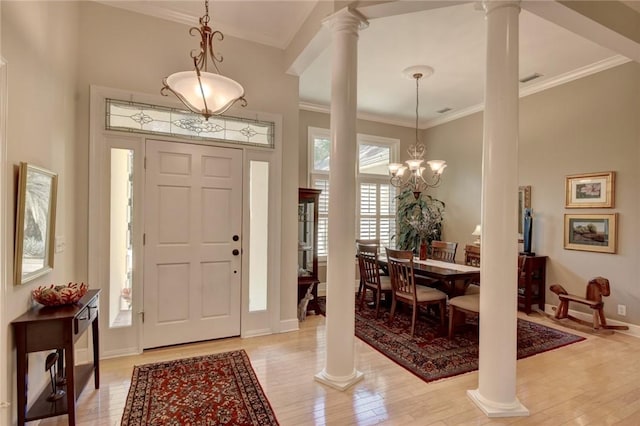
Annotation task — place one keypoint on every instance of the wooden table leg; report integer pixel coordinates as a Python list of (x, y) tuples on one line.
[(71, 388), (22, 376), (96, 352)]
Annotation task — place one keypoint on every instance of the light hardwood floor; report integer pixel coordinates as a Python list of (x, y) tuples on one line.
[(594, 382)]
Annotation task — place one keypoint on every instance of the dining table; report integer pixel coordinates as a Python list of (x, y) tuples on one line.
[(455, 276)]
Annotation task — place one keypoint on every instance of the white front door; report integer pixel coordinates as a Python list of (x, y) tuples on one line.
[(192, 261)]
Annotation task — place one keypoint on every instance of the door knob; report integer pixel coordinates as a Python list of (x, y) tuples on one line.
[(236, 238), (235, 252)]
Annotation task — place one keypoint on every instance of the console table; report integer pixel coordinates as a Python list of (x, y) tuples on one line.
[(56, 327)]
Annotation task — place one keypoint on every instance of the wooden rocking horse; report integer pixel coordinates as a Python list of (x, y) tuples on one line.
[(596, 289)]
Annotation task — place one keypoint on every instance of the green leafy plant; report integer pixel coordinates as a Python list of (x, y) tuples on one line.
[(418, 219)]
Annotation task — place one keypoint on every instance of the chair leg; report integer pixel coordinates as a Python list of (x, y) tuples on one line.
[(377, 303), (362, 296), (452, 313), (413, 319), (443, 306), (393, 309)]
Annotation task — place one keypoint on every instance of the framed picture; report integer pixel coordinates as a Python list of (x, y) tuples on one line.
[(591, 232), (590, 190), (35, 222), (524, 202)]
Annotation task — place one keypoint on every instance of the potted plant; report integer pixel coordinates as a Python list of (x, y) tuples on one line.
[(419, 221)]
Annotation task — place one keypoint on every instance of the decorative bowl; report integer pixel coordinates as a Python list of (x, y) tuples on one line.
[(56, 295)]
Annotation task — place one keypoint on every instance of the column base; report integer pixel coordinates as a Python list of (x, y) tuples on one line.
[(491, 409), (338, 382)]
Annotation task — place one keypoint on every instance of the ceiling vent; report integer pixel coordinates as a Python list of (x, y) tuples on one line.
[(443, 110), (530, 77)]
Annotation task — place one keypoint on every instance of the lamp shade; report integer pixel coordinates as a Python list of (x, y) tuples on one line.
[(477, 232), (220, 92)]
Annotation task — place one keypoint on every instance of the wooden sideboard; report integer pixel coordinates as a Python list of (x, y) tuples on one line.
[(56, 328), (532, 283)]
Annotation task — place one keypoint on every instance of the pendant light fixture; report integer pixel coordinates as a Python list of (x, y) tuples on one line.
[(413, 176), (205, 93)]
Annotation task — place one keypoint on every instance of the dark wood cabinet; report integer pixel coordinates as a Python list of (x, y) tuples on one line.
[(308, 245), (532, 283), (58, 328)]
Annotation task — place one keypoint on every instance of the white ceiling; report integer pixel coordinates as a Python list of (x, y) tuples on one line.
[(450, 39)]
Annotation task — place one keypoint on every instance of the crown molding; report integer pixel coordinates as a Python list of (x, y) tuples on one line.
[(325, 109), (559, 80), (157, 10)]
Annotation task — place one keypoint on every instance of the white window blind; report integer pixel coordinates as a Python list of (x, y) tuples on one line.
[(376, 208)]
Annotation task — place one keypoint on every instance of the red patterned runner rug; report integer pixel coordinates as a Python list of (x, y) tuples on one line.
[(218, 389)]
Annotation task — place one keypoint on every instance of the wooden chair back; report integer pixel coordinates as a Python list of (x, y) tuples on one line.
[(472, 255), (373, 242), (403, 282), (444, 250), (400, 263), (368, 263)]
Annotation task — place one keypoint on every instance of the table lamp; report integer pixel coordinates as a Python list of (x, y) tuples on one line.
[(477, 232)]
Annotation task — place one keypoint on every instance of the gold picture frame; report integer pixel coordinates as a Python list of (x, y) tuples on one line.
[(35, 222), (591, 232), (590, 190)]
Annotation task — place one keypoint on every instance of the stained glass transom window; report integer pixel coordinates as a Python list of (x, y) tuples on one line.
[(137, 117)]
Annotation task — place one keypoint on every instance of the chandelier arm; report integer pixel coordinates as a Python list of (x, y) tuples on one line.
[(215, 59), (199, 56)]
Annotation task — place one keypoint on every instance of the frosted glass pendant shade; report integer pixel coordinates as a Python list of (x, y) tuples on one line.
[(220, 92)]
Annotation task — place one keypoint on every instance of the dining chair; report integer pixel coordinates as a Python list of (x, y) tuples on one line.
[(444, 250), (370, 277), (369, 242), (472, 258), (406, 291), (459, 306), (472, 255)]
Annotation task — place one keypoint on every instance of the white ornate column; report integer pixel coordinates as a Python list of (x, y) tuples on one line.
[(340, 371), (496, 393)]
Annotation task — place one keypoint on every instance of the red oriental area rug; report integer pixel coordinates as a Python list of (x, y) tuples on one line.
[(218, 389), (430, 355)]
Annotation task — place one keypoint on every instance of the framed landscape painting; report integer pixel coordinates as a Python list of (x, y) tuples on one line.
[(35, 222), (590, 232), (590, 190)]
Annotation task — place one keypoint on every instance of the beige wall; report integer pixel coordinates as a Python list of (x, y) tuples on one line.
[(589, 125), (56, 50), (39, 42)]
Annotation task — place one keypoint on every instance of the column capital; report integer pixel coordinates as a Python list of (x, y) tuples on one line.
[(491, 5), (347, 19)]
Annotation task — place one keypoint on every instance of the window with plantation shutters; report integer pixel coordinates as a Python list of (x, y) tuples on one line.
[(375, 204)]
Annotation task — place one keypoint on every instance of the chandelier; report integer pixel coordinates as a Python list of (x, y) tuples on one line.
[(414, 176), (203, 92)]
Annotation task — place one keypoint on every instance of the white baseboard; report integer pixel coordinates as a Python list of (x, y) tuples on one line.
[(289, 325), (120, 352), (634, 330), (255, 333)]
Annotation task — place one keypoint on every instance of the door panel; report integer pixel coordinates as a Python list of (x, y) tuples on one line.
[(193, 207)]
